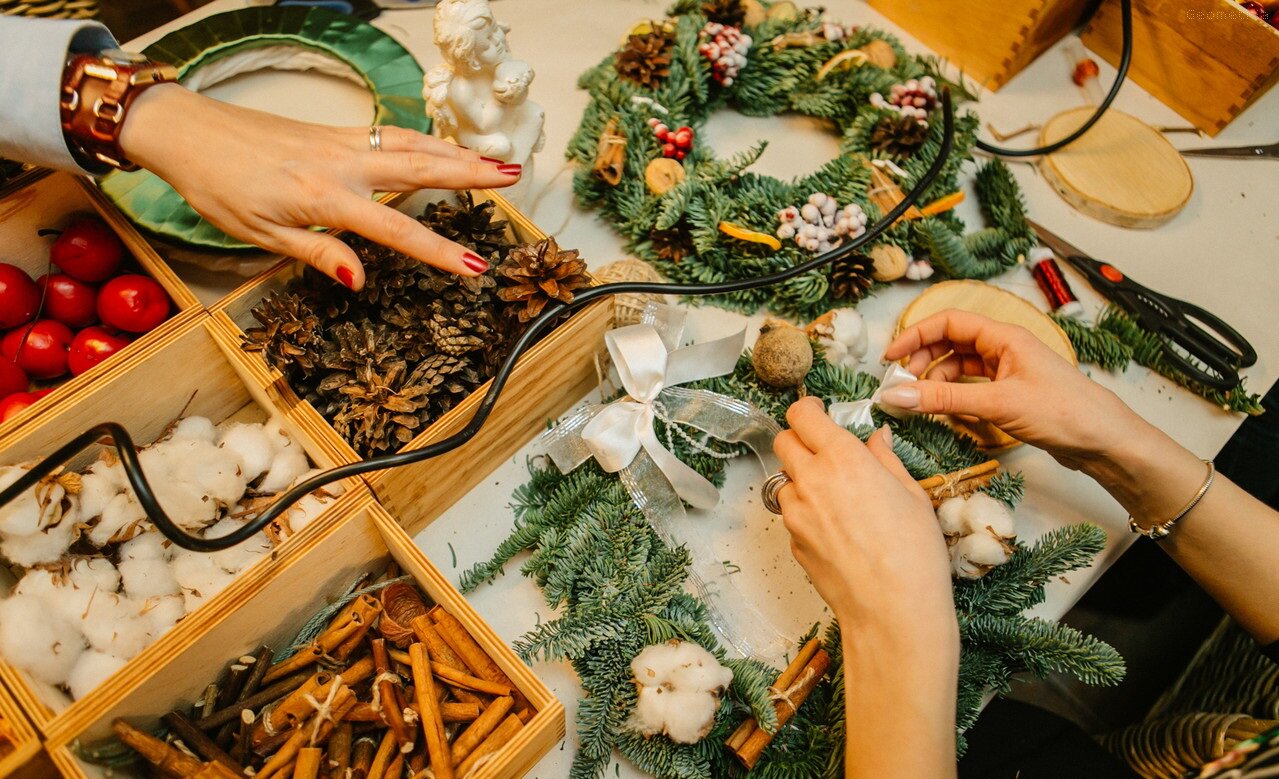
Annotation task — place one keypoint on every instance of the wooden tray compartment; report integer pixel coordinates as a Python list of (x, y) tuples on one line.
[(1208, 60), (364, 540), (19, 742), (50, 202), (195, 375), (990, 42), (548, 379)]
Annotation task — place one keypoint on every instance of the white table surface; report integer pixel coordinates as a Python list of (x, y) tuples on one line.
[(1220, 252)]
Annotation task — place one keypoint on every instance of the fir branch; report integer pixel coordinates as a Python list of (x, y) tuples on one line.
[(1095, 345)]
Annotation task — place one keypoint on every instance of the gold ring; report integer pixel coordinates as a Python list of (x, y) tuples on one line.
[(772, 488), (375, 138)]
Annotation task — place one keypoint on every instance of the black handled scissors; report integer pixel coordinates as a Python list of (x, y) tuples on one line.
[(1195, 341)]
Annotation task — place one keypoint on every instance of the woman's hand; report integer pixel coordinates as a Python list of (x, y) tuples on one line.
[(1034, 395), (860, 526), (265, 179), (869, 539)]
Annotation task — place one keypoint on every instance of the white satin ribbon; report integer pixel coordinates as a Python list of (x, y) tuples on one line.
[(857, 413)]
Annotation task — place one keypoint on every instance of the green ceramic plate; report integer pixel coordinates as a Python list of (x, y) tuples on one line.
[(393, 77)]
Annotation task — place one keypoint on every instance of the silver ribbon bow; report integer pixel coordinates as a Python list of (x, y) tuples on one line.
[(622, 436), (857, 413)]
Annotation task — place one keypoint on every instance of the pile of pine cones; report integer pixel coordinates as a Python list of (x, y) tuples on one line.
[(381, 364)]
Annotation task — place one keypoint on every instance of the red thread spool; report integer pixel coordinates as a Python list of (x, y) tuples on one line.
[(1048, 275)]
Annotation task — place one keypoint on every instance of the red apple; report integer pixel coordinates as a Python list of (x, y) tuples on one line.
[(19, 296), (132, 303), (40, 349), (69, 300), (87, 250), (14, 404), (12, 378), (91, 346)]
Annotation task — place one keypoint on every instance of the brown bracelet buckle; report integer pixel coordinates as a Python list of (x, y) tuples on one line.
[(96, 93)]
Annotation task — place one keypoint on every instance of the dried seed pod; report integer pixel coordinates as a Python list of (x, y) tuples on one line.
[(662, 174), (890, 262), (401, 603), (783, 354)]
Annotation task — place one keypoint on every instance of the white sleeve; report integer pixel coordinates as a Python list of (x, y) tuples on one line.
[(33, 55)]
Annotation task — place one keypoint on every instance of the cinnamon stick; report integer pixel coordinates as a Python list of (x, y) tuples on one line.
[(784, 680), (382, 760), (472, 654), (441, 652), (293, 707), (198, 742), (792, 697), (467, 682), (358, 671), (480, 729), (496, 740), (257, 700), (388, 687), (437, 747), (308, 763), (362, 757), (460, 712), (339, 750), (305, 657), (310, 733), (962, 482), (156, 752)]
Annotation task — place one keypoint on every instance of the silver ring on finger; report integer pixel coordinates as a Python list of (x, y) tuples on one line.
[(375, 137), (772, 488)]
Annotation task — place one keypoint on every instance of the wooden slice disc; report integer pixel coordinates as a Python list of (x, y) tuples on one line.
[(1002, 306), (1122, 171)]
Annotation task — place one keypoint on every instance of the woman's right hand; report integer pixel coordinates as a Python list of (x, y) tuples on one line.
[(1033, 394)]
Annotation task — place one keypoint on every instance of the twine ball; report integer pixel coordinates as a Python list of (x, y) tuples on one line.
[(628, 308), (783, 355)]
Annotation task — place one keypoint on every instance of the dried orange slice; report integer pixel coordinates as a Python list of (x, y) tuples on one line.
[(844, 60), (943, 204), (746, 234)]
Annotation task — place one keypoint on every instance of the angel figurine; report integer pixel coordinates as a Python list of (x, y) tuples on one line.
[(479, 96)]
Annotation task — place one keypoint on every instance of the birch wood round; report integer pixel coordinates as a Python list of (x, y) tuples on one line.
[(1002, 306), (1123, 171)]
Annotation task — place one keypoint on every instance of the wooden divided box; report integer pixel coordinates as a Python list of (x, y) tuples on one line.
[(1208, 60), (18, 740), (184, 372), (989, 41), (52, 202), (547, 380), (313, 575)]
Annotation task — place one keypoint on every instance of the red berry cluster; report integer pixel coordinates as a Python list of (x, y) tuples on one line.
[(675, 143), (64, 322)]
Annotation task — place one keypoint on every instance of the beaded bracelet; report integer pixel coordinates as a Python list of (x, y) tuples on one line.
[(1158, 532)]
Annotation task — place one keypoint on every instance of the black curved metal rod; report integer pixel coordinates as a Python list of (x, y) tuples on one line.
[(1125, 59), (123, 443)]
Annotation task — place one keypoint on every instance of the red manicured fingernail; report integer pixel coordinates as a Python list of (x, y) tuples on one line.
[(474, 262), (346, 276), (490, 159), (510, 170)]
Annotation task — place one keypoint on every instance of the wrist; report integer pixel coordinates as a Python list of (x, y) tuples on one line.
[(150, 126), (1148, 473)]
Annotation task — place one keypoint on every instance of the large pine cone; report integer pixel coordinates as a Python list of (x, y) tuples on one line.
[(538, 273), (646, 59), (469, 224)]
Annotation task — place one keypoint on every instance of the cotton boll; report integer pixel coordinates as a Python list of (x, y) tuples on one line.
[(251, 444), (287, 465), (690, 716), (306, 511), (90, 572), (951, 517), (162, 614), (651, 710), (680, 684), (148, 577), (34, 510), (973, 556), (97, 490), (199, 577), (37, 640), (115, 625), (41, 547), (38, 583), (240, 556), (982, 513), (195, 429), (145, 546), (92, 669), (117, 517)]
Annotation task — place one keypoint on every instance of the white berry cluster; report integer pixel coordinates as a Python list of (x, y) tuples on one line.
[(820, 224), (916, 98), (725, 47)]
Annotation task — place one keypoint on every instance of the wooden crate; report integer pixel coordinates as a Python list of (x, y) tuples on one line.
[(21, 743), (548, 379), (188, 371), (50, 202), (364, 540), (990, 42), (1206, 59)]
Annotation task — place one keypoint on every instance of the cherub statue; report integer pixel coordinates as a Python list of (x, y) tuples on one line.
[(479, 96)]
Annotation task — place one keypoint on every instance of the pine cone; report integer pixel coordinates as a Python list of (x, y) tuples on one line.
[(646, 58), (456, 337), (898, 135), (469, 224), (850, 277), (729, 12), (539, 273), (672, 245), (289, 336)]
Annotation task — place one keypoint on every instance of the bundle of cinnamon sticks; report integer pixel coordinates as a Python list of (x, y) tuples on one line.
[(962, 482), (789, 692), (390, 689)]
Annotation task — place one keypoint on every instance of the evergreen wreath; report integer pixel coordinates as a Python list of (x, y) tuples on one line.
[(619, 588), (665, 73)]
